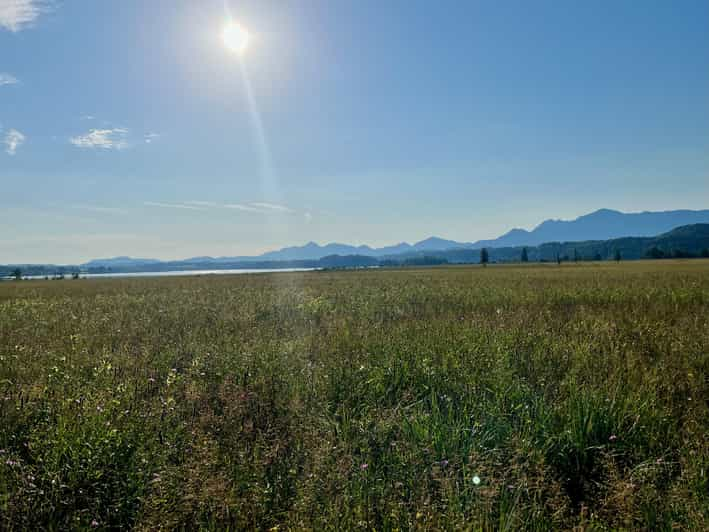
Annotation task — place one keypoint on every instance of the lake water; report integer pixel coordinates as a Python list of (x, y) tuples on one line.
[(178, 273)]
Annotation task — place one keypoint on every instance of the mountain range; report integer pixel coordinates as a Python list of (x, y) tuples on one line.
[(603, 224), (600, 225)]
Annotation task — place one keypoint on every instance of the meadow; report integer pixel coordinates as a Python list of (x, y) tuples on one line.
[(469, 398)]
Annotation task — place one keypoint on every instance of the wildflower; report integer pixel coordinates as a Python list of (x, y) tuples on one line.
[(94, 523), (363, 467), (444, 463), (612, 437), (476, 480), (151, 379)]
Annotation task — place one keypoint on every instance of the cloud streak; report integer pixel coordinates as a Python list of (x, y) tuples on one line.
[(103, 139), (16, 15), (7, 79), (13, 140), (254, 207), (100, 209), (202, 203), (172, 205), (245, 208), (271, 207)]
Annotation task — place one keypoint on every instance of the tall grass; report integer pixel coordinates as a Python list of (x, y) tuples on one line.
[(528, 397)]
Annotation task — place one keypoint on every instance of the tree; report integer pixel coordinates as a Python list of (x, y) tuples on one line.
[(616, 257), (655, 253), (525, 257), (558, 258), (484, 257), (576, 255), (597, 256), (705, 253), (17, 274)]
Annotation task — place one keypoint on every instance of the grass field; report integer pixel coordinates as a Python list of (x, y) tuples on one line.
[(504, 397)]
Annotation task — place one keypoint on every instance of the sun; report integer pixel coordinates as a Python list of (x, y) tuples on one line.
[(236, 37)]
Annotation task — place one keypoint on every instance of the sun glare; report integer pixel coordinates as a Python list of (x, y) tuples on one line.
[(236, 37)]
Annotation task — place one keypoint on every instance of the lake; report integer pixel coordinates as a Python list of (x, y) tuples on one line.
[(177, 273)]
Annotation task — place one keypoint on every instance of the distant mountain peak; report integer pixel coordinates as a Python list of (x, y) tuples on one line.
[(604, 211), (120, 261)]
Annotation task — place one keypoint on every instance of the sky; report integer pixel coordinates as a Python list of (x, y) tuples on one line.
[(129, 128)]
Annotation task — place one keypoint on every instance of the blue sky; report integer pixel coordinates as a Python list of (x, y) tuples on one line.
[(128, 128)]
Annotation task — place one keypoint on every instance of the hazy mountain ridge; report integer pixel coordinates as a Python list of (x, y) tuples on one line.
[(603, 224), (682, 242), (119, 261)]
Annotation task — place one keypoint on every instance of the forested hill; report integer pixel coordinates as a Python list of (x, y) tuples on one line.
[(685, 241)]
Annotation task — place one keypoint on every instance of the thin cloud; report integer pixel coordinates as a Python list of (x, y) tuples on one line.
[(199, 205), (7, 79), (271, 206), (202, 203), (150, 137), (245, 208), (13, 140), (16, 15), (100, 209), (171, 205), (104, 139)]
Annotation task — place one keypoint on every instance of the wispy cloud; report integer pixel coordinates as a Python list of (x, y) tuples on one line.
[(13, 140), (271, 207), (7, 79), (198, 205), (104, 139), (201, 203), (100, 209), (16, 15), (150, 137), (245, 208), (172, 205)]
